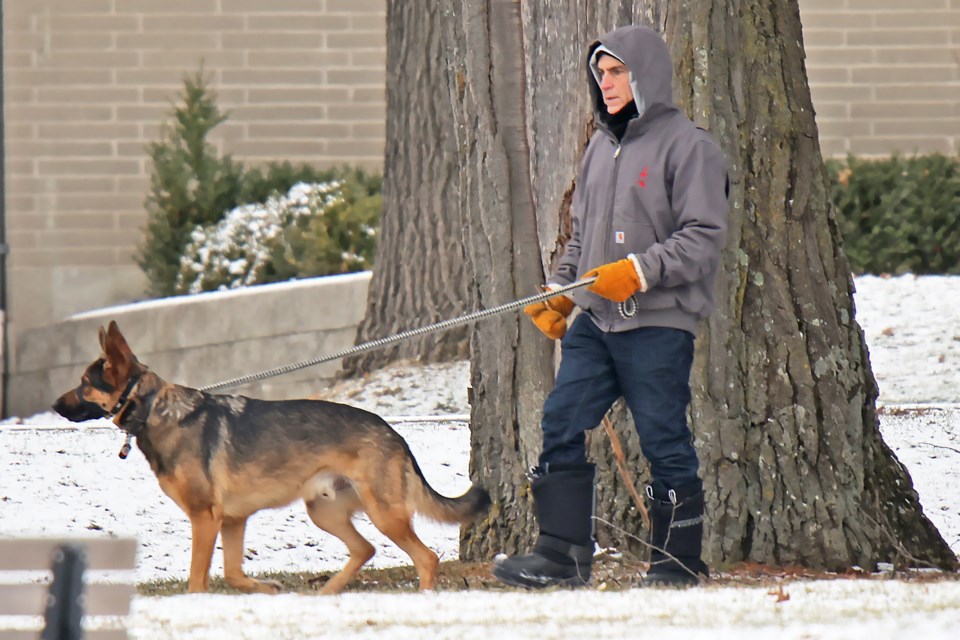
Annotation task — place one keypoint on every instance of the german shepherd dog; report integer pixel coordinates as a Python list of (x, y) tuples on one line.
[(222, 458)]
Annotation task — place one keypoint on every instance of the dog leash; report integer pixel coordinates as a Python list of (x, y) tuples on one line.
[(374, 344), (382, 342)]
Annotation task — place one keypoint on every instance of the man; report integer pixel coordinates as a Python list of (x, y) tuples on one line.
[(649, 220)]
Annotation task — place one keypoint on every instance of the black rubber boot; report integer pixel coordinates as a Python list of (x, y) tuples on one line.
[(563, 497), (677, 538)]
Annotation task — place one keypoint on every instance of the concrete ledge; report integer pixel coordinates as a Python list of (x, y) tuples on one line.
[(202, 339)]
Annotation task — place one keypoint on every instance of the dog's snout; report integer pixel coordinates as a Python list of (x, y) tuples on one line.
[(75, 409), (59, 406)]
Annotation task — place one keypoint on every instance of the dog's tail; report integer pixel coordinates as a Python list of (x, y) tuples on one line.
[(427, 502)]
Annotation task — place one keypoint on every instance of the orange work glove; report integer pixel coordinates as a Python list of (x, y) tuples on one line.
[(550, 315), (616, 281)]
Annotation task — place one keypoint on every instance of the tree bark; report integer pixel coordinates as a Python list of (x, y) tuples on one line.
[(784, 416), (419, 275), (785, 399), (509, 372)]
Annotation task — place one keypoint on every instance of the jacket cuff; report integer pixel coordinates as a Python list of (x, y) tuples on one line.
[(636, 266)]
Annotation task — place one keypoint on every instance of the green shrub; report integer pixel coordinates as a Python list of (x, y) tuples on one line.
[(340, 239), (279, 177), (193, 187), (314, 229), (899, 214), (191, 184)]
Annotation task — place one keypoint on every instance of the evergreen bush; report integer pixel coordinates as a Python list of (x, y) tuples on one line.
[(314, 229), (342, 238), (899, 214), (212, 223), (191, 184)]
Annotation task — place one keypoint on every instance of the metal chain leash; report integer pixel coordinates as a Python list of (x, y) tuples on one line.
[(382, 342)]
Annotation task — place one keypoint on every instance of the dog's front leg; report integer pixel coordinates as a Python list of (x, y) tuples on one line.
[(233, 530), (205, 526)]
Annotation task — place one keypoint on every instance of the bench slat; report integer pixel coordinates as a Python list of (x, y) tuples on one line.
[(95, 634), (24, 554), (101, 599)]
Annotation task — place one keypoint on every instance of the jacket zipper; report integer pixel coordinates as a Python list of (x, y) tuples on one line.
[(607, 253), (613, 198)]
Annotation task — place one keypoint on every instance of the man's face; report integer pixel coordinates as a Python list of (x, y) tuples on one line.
[(614, 83)]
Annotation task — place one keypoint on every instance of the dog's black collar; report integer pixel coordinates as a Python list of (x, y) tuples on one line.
[(124, 396), (133, 419)]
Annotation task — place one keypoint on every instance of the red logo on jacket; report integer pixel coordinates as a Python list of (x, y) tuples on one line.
[(643, 179)]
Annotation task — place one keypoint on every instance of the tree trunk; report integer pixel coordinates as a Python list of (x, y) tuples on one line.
[(510, 369), (419, 274), (785, 399), (784, 412)]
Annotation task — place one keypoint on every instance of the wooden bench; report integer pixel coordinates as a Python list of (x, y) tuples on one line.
[(41, 579)]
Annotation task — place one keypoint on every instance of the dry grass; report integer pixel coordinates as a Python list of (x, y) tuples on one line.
[(610, 573)]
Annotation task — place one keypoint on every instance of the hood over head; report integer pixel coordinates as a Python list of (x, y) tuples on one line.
[(646, 56)]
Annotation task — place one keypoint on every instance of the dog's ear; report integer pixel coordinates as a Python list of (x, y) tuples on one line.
[(118, 353), (103, 338), (113, 330)]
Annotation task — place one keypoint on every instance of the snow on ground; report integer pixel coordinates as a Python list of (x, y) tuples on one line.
[(839, 609), (912, 326), (58, 479)]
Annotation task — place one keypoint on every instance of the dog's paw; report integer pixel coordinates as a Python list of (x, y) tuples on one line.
[(268, 586), (247, 584)]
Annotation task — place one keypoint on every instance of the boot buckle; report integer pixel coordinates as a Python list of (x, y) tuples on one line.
[(671, 494)]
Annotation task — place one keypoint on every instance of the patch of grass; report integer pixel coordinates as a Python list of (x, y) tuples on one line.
[(613, 572), (908, 411)]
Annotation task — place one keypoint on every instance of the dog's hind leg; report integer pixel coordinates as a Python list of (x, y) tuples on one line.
[(334, 517), (394, 521), (233, 530)]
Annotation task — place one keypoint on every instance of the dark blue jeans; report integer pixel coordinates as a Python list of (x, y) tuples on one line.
[(650, 368)]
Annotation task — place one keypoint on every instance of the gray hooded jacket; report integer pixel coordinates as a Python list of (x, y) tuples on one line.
[(658, 195)]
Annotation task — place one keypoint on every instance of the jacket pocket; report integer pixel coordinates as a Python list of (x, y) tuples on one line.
[(657, 298), (631, 236), (692, 300)]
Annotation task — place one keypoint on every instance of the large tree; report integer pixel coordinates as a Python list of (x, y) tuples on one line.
[(419, 277), (784, 416)]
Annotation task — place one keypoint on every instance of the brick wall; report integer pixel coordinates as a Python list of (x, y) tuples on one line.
[(88, 82), (884, 74)]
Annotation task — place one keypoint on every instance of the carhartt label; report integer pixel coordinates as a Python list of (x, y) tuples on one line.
[(618, 236)]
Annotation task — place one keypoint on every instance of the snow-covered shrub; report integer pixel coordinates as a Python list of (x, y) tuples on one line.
[(192, 183), (312, 230)]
